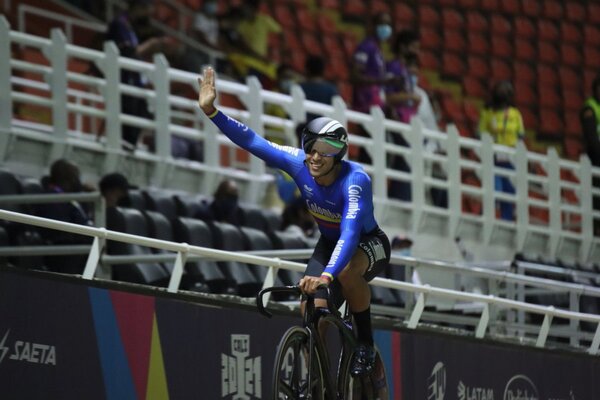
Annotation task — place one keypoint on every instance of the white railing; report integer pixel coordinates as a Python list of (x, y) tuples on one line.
[(566, 229), (184, 250)]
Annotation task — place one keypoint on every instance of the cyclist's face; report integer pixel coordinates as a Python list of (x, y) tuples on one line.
[(319, 160)]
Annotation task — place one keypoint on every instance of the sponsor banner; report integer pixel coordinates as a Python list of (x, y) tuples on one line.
[(61, 339), (439, 367)]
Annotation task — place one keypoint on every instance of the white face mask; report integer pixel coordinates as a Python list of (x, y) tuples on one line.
[(414, 80), (384, 31)]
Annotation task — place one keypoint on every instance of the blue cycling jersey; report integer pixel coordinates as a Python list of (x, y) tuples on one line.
[(342, 210)]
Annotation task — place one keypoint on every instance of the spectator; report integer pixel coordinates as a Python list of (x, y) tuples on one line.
[(296, 219), (253, 31), (114, 188), (504, 123), (225, 206), (590, 124), (205, 30), (316, 87), (367, 73), (64, 178), (402, 98), (125, 30)]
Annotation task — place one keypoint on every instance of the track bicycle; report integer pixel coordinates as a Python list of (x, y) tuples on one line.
[(302, 369)]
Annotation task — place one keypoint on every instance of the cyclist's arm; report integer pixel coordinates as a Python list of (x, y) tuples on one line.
[(358, 196), (289, 159)]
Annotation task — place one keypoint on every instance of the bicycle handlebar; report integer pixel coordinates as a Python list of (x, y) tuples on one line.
[(259, 296), (289, 289)]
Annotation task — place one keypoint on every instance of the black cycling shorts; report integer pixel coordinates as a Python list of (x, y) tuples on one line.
[(376, 246)]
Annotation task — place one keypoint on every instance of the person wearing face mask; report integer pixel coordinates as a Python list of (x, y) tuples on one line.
[(504, 123), (225, 205), (352, 249), (64, 178), (297, 220), (129, 32), (367, 72)]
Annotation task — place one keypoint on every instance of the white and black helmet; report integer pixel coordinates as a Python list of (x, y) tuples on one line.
[(330, 131)]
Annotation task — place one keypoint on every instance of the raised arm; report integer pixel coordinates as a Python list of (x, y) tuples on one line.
[(289, 159)]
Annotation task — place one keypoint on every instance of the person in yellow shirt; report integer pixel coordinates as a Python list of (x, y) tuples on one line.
[(504, 123), (253, 32)]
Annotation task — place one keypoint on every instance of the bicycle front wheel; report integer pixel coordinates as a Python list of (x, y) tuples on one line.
[(290, 374)]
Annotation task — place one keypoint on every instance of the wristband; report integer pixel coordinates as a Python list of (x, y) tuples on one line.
[(327, 276), (212, 114)]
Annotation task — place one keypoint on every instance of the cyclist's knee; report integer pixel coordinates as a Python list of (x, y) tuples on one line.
[(351, 275)]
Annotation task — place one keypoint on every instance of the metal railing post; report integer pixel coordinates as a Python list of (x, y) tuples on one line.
[(454, 181), (416, 172), (585, 201), (376, 128), (522, 195), (112, 102), (162, 117), (255, 105), (58, 87), (487, 185), (6, 106), (554, 201)]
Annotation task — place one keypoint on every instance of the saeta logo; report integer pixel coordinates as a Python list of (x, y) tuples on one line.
[(520, 387), (36, 353), (436, 383), (240, 374)]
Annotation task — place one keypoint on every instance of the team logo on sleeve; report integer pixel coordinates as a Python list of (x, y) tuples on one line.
[(354, 192), (292, 150)]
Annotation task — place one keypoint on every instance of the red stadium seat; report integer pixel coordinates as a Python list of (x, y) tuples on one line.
[(531, 8), (524, 96), (477, 43), (570, 32), (572, 124), (570, 55), (330, 4), (551, 125), (553, 9), (284, 16), (471, 111), (530, 119), (468, 4), (569, 78), (430, 38), (452, 19), (593, 13), (453, 65), (572, 100), (500, 25), (524, 50), (473, 87), (404, 14), (379, 6), (501, 70), (331, 44), (575, 11), (428, 15), (592, 57), (523, 72), (477, 67), (354, 9), (429, 60), (512, 7), (349, 43), (547, 30), (490, 5), (548, 53), (454, 40), (476, 22), (306, 20), (501, 47), (524, 28), (546, 75), (591, 35), (326, 24), (311, 43), (548, 97), (573, 148)]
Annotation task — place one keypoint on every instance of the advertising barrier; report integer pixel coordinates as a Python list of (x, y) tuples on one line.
[(61, 338)]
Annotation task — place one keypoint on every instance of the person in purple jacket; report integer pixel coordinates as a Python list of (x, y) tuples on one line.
[(352, 248)]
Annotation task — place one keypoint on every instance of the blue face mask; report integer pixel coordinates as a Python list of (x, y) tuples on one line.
[(414, 80), (384, 31)]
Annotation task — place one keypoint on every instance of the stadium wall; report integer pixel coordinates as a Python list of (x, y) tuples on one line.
[(65, 338)]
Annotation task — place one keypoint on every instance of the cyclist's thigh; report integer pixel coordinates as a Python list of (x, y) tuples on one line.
[(376, 246)]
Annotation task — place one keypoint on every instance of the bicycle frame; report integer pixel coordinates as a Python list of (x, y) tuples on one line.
[(311, 319)]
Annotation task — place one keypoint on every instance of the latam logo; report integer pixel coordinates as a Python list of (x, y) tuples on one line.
[(240, 374), (465, 392), (35, 353)]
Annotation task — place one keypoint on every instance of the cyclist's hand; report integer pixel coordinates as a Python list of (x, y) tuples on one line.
[(208, 92), (310, 284)]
